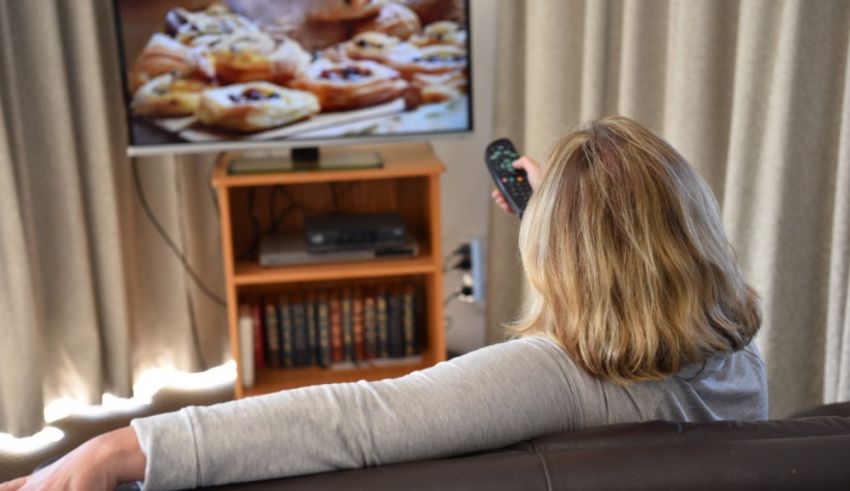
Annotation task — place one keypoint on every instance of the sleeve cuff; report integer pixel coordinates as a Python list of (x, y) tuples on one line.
[(168, 442)]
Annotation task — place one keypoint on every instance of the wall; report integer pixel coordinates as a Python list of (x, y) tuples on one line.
[(466, 184)]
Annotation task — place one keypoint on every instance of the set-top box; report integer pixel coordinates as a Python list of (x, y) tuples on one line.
[(335, 233)]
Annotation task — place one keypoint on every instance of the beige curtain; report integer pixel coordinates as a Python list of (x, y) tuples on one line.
[(90, 295), (756, 94)]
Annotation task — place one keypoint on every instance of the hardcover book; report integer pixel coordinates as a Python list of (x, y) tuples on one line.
[(287, 352), (347, 327), (336, 328), (246, 344), (357, 323), (395, 329), (312, 330), (370, 326), (299, 327), (324, 320), (383, 321)]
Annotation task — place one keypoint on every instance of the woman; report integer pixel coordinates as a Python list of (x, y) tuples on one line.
[(636, 311)]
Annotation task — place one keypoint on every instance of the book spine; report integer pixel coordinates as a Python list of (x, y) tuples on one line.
[(312, 330), (324, 315), (259, 343), (299, 326), (347, 327), (336, 328), (246, 345), (286, 331), (370, 327), (357, 325), (383, 328), (409, 320), (272, 339), (395, 329)]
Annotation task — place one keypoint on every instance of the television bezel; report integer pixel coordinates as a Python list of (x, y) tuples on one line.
[(177, 148)]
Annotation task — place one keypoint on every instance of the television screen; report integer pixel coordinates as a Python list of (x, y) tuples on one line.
[(238, 73)]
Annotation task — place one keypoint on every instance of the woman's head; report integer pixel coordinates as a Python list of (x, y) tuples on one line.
[(628, 266)]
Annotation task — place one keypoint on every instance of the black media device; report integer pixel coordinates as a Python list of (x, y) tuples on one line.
[(512, 183), (337, 233)]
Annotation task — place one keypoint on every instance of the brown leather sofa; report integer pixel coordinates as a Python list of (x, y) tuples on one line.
[(810, 450)]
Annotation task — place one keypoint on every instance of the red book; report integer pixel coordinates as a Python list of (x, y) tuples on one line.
[(259, 342)]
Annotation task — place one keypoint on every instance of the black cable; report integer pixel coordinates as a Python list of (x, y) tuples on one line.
[(211, 188), (137, 182), (255, 225)]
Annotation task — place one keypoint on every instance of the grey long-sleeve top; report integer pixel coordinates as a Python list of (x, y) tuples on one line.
[(492, 397)]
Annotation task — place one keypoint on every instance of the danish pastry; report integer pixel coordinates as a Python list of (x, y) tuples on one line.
[(161, 55), (370, 46), (254, 106), (439, 87), (442, 32), (338, 10), (394, 19), (350, 84), (167, 96), (438, 58), (207, 26), (245, 58)]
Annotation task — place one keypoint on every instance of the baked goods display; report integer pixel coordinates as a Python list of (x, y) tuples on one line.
[(255, 106), (394, 19), (250, 67), (438, 58), (370, 46), (351, 84), (168, 96), (338, 10), (442, 32)]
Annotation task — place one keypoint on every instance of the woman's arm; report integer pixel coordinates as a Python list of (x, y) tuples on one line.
[(492, 397), (101, 463)]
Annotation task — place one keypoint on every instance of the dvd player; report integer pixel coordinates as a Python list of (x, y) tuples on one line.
[(337, 233)]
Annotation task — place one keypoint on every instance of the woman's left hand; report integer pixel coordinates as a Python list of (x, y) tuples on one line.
[(101, 463)]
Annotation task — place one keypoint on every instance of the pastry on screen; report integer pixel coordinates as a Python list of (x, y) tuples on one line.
[(339, 10), (439, 87), (161, 55), (394, 19), (350, 84), (435, 10), (438, 58), (370, 46), (442, 32), (207, 26), (167, 96), (254, 106), (243, 58)]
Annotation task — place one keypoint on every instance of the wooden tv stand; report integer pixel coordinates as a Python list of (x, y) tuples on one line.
[(408, 183)]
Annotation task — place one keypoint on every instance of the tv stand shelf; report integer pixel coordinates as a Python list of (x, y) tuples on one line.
[(408, 183)]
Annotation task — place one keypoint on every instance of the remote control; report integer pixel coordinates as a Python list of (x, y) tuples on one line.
[(512, 183)]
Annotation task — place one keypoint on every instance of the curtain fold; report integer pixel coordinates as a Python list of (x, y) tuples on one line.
[(754, 95), (91, 295)]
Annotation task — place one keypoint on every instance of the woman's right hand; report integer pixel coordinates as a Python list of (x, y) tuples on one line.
[(532, 170)]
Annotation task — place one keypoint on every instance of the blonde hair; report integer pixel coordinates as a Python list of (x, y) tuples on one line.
[(628, 265)]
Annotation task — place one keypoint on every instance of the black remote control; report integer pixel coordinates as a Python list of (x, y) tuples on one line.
[(512, 183)]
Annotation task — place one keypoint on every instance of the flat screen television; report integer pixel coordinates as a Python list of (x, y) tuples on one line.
[(206, 75)]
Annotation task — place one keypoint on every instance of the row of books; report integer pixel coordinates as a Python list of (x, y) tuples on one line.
[(330, 327)]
